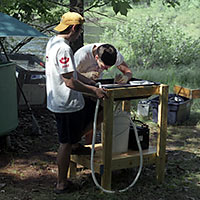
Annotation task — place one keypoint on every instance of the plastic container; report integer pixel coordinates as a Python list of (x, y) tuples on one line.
[(33, 84), (35, 94), (178, 109), (8, 98), (121, 126), (143, 108), (143, 135)]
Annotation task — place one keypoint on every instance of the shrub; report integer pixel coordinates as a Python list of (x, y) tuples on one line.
[(150, 43)]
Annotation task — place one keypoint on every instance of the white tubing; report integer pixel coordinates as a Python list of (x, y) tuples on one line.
[(92, 154)]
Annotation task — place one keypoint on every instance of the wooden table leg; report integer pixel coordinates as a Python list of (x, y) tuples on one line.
[(107, 143), (72, 169), (162, 133), (126, 106)]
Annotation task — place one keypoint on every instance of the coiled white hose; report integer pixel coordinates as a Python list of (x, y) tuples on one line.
[(92, 154)]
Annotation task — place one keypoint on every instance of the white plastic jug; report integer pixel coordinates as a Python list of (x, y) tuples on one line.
[(121, 126)]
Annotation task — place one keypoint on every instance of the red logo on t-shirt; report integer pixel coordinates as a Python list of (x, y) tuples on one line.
[(64, 60)]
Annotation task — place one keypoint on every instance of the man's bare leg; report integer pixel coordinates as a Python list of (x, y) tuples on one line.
[(63, 160)]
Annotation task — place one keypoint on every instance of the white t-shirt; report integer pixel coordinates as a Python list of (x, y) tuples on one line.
[(60, 60), (85, 60)]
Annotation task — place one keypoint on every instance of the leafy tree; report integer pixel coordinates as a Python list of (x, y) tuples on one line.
[(48, 11), (45, 14)]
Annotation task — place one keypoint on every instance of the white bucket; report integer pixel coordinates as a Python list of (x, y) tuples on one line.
[(121, 126)]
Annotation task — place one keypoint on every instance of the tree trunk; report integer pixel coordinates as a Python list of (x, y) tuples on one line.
[(77, 6)]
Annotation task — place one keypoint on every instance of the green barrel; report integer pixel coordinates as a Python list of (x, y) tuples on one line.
[(8, 98)]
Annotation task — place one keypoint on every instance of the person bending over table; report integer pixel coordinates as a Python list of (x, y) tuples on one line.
[(92, 59)]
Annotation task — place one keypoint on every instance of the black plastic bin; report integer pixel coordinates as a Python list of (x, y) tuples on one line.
[(178, 109), (143, 134)]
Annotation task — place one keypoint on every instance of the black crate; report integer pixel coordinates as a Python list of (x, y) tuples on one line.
[(178, 109), (143, 134)]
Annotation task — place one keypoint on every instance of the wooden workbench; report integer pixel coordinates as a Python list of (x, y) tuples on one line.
[(104, 161)]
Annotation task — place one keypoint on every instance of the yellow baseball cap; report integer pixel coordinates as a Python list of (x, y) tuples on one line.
[(69, 18)]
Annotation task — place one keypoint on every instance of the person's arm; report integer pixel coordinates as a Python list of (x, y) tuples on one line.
[(123, 67), (85, 79), (81, 87), (91, 75)]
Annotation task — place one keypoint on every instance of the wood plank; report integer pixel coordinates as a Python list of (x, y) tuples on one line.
[(132, 159), (126, 106), (84, 160), (107, 131), (132, 92), (186, 92), (119, 161), (196, 94), (72, 169), (162, 133)]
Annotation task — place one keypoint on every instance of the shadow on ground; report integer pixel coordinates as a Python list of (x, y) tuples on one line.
[(28, 171)]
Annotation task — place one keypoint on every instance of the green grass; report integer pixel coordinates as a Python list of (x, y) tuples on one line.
[(186, 16), (186, 76)]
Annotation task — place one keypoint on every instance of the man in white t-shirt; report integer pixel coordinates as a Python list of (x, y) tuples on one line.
[(92, 59), (64, 98)]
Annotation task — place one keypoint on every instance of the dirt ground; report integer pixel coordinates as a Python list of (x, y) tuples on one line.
[(28, 169)]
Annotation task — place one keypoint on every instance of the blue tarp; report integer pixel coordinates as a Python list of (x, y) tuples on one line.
[(10, 26)]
